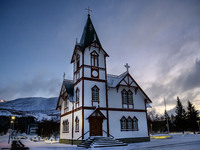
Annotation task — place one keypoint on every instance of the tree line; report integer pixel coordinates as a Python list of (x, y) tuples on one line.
[(185, 119)]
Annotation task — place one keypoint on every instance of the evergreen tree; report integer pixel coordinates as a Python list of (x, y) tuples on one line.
[(180, 119), (192, 117)]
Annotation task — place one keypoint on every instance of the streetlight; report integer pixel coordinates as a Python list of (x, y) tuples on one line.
[(12, 121), (151, 128)]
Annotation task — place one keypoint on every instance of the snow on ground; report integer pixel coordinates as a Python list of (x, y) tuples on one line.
[(177, 142)]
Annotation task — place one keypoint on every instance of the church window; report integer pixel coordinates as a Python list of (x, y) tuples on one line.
[(127, 99), (76, 124), (66, 126), (77, 61), (124, 97), (94, 59), (135, 124), (129, 123), (123, 123), (95, 94), (66, 106), (130, 97), (77, 97)]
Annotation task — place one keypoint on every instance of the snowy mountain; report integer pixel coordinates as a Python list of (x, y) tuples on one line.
[(38, 107)]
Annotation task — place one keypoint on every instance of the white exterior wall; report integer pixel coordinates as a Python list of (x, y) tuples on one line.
[(115, 126), (115, 98), (69, 134), (88, 93)]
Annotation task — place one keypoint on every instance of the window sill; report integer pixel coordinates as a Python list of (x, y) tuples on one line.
[(65, 132)]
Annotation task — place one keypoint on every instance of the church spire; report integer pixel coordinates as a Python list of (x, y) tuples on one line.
[(89, 34)]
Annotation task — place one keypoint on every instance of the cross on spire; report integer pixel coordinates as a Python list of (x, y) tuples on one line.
[(127, 66), (88, 9)]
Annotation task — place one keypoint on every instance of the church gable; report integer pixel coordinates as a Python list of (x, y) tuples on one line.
[(66, 92), (97, 113), (127, 81)]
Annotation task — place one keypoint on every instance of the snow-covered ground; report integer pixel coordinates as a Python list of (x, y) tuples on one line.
[(177, 142)]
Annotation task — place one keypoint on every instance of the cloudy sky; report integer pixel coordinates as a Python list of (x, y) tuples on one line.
[(159, 39)]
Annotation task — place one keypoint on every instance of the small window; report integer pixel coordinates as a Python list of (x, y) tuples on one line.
[(94, 59), (130, 97), (135, 124), (124, 97), (95, 94), (76, 124), (129, 123), (123, 123), (66, 126), (77, 61), (77, 95)]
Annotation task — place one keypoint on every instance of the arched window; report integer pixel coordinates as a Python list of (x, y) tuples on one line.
[(135, 123), (77, 95), (123, 123), (127, 99), (76, 124), (129, 123), (95, 94), (94, 59), (66, 126), (124, 97), (77, 61), (130, 97)]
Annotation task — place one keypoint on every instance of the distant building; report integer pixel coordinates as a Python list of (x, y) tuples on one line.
[(95, 103)]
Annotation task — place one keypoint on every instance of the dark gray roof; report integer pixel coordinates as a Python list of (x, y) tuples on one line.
[(89, 34), (69, 86)]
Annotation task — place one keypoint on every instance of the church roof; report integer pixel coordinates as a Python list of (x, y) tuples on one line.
[(113, 80), (69, 87), (89, 34)]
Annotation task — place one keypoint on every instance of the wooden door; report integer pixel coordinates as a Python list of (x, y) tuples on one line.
[(96, 126)]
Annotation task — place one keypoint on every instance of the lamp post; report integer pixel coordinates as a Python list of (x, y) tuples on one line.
[(12, 121), (151, 128)]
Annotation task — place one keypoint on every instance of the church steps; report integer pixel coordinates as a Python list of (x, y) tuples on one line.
[(101, 142)]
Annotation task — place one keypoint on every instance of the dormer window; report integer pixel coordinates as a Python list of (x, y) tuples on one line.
[(77, 61), (94, 59)]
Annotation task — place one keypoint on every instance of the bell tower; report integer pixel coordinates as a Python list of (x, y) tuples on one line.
[(89, 63)]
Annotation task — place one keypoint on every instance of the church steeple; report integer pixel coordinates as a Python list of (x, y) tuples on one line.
[(89, 34)]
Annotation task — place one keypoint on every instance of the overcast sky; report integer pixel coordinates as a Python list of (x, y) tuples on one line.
[(159, 39)]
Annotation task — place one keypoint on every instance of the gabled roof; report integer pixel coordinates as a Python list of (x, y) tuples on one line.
[(89, 34), (68, 87), (96, 113), (115, 81)]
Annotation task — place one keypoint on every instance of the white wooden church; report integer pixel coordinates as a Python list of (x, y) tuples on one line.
[(95, 103)]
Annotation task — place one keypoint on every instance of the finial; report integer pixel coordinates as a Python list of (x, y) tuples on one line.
[(127, 66), (76, 40), (88, 9), (64, 76)]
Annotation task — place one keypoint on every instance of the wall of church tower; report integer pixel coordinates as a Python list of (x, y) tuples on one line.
[(87, 59), (88, 94)]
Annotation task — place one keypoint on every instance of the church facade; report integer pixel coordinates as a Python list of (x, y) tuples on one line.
[(95, 103)]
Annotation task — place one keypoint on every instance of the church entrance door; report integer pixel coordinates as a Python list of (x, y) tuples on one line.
[(96, 126)]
